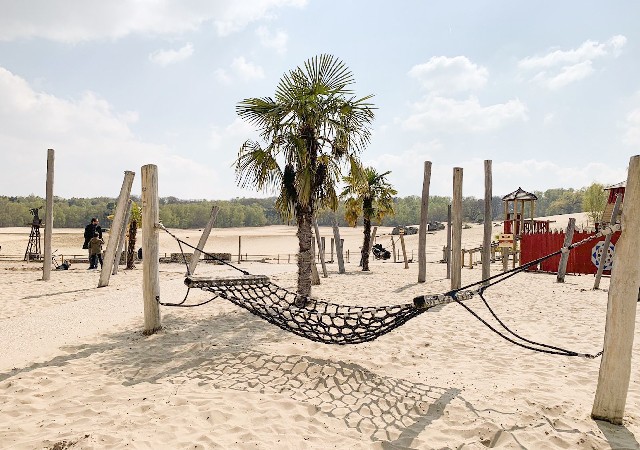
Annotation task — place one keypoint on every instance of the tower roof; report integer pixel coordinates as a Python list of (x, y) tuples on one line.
[(616, 186), (519, 194)]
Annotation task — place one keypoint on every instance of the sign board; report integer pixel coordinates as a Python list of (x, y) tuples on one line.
[(596, 254), (505, 240)]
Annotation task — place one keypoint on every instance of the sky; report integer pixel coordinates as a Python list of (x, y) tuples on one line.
[(548, 91)]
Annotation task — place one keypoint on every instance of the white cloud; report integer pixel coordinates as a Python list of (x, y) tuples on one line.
[(276, 41), (449, 75), (84, 20), (246, 70), (94, 146), (632, 134), (449, 115), (232, 136), (166, 57), (240, 69), (570, 74), (560, 68)]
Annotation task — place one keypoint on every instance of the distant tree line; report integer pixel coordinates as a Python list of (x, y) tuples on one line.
[(255, 212)]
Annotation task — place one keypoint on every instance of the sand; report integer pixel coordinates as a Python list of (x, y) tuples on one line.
[(77, 372)]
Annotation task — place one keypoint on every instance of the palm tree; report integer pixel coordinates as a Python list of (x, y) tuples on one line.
[(367, 194), (311, 129)]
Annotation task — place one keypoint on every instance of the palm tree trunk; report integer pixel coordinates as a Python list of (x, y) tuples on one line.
[(305, 256), (131, 245), (366, 244)]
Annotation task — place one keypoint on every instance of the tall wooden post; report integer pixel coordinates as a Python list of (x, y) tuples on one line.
[(122, 238), (239, 249), (150, 248), (320, 248), (488, 219), (615, 367), (456, 235), (116, 226), (333, 241), (424, 217), (203, 240), (339, 246), (448, 242), (48, 219), (564, 259), (393, 250), (607, 241), (404, 250), (315, 277)]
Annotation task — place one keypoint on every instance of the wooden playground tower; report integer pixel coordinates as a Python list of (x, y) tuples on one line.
[(516, 204)]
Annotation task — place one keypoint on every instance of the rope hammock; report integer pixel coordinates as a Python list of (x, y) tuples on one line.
[(331, 323)]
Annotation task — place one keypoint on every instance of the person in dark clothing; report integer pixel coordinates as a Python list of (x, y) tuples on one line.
[(90, 230)]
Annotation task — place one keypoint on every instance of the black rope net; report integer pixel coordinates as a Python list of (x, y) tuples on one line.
[(332, 323)]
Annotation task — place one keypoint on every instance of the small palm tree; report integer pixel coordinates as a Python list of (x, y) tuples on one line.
[(311, 129), (367, 194), (134, 223)]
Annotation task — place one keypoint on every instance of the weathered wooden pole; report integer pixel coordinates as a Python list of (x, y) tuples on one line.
[(615, 367), (150, 249), (607, 241), (564, 259), (448, 242), (315, 277), (48, 219), (320, 248), (424, 224), (203, 240), (339, 254), (333, 243), (116, 226), (456, 225), (122, 238), (239, 249), (488, 220), (404, 250), (393, 247)]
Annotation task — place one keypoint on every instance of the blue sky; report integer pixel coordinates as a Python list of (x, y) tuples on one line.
[(549, 91)]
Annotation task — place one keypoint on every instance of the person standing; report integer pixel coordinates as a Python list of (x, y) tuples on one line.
[(95, 251), (89, 231)]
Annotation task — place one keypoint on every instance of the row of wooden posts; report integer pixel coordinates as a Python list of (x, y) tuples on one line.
[(615, 367)]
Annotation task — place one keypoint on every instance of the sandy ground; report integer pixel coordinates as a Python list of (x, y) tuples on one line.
[(77, 372)]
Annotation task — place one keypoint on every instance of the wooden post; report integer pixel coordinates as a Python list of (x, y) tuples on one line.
[(568, 237), (48, 219), (122, 238), (203, 240), (615, 367), (339, 247), (239, 249), (607, 241), (448, 242), (404, 250), (323, 248), (488, 218), (116, 226), (424, 217), (456, 235), (333, 242), (315, 278), (150, 248), (393, 246), (320, 248)]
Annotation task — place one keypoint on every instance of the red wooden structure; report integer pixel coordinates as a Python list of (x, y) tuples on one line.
[(537, 245)]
